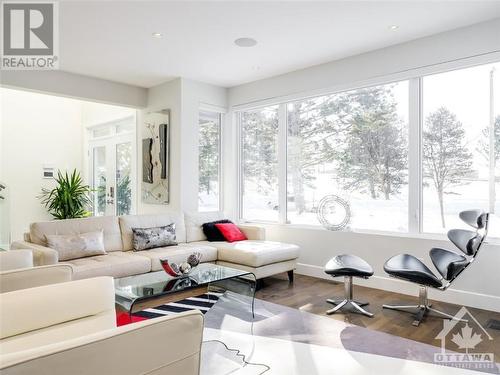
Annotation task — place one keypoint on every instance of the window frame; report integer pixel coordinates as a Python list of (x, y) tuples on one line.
[(415, 130), (220, 180), (239, 158)]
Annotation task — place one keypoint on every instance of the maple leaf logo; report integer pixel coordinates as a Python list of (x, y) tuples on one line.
[(466, 339)]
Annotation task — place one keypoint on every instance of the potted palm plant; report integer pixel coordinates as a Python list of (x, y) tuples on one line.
[(69, 199)]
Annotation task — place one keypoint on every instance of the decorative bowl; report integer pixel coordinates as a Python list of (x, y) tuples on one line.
[(183, 269)]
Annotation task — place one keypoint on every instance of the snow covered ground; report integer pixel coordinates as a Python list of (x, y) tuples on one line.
[(380, 214)]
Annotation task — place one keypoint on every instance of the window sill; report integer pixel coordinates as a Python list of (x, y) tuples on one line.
[(422, 236)]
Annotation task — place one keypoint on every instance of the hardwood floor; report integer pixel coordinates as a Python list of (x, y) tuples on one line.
[(310, 294)]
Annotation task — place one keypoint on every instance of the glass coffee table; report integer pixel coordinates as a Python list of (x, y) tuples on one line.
[(139, 292)]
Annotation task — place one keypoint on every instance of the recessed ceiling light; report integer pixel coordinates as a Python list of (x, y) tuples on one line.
[(393, 27), (245, 42), (157, 35)]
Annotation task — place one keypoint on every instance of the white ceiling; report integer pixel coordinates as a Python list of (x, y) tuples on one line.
[(112, 39)]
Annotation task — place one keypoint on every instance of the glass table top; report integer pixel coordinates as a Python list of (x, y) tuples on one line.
[(160, 283)]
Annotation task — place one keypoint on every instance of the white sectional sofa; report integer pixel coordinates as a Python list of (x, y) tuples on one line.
[(263, 258)]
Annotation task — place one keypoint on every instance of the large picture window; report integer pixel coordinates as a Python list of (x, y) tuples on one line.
[(406, 156), (354, 145), (259, 164), (209, 161), (460, 113)]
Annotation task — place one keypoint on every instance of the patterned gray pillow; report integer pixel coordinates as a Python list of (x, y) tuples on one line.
[(149, 238), (74, 246)]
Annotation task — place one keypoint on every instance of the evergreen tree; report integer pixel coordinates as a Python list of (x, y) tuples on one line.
[(446, 158), (359, 132), (208, 155), (315, 134), (259, 149), (375, 156)]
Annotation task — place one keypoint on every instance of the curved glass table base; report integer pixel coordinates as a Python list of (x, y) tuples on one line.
[(139, 292)]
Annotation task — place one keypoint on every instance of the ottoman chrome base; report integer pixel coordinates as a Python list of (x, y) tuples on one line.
[(348, 300)]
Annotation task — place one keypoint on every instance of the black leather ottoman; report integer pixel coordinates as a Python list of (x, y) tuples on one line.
[(348, 266)]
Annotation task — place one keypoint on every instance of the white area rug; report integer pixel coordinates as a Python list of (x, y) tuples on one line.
[(285, 357)]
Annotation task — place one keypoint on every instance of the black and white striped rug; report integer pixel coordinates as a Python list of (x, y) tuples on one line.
[(202, 302)]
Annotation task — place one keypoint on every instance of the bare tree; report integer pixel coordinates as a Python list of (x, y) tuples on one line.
[(445, 156)]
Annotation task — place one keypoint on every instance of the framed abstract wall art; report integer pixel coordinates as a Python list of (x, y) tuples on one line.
[(156, 158)]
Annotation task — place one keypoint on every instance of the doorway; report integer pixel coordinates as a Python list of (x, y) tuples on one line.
[(112, 164)]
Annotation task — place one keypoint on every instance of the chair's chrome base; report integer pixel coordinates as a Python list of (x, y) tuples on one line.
[(422, 309), (348, 300), (336, 301)]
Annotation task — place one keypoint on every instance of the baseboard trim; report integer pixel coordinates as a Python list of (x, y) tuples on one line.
[(456, 296)]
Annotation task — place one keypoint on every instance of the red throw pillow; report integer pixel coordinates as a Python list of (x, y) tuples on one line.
[(231, 232)]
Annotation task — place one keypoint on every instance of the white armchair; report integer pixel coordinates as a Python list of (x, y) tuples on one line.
[(17, 271), (70, 328)]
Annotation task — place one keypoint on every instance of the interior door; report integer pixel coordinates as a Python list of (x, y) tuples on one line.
[(112, 165)]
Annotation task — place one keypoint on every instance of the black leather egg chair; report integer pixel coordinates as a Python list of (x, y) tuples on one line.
[(448, 263)]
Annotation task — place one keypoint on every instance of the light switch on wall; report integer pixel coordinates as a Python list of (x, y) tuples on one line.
[(48, 171)]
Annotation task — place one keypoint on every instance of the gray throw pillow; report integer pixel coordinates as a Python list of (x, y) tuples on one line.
[(149, 238), (74, 246)]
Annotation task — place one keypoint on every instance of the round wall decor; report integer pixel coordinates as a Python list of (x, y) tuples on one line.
[(334, 213)]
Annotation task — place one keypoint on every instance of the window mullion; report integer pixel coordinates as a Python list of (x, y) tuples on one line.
[(282, 163), (415, 156), (239, 167)]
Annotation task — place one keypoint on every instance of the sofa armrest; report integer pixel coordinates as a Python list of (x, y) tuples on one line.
[(253, 232), (168, 345), (25, 278), (42, 255), (56, 304), (14, 260)]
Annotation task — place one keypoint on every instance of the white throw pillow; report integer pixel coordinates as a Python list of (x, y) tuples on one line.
[(74, 246)]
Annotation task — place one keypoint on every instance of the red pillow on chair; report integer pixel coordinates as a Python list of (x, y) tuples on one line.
[(231, 232)]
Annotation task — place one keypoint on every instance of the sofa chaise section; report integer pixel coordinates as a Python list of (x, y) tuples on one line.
[(262, 258)]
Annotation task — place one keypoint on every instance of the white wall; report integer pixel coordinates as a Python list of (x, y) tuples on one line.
[(97, 113), (36, 129), (183, 98), (165, 96), (478, 286), (4, 203)]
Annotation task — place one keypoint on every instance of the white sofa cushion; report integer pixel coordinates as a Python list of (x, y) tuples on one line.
[(148, 221), (108, 224), (116, 264), (178, 254), (254, 253), (194, 221)]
